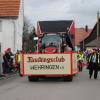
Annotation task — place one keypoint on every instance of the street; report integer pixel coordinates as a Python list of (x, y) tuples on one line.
[(82, 88)]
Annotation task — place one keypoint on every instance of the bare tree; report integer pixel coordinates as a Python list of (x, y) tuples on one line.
[(28, 34), (26, 28)]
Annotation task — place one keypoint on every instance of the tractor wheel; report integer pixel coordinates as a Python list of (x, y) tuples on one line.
[(68, 78), (32, 78)]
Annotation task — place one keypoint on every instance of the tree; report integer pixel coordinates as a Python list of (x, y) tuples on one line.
[(32, 43), (28, 34), (26, 28)]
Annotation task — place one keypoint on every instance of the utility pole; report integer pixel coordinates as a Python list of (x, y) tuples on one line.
[(97, 25), (97, 28), (23, 24), (83, 45)]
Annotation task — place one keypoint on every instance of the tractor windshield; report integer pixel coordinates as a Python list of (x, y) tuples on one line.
[(53, 39)]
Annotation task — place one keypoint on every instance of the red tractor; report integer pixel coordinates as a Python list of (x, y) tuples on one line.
[(55, 54)]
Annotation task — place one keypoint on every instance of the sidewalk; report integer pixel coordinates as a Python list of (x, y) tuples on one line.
[(8, 76)]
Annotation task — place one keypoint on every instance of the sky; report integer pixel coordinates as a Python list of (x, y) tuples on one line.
[(83, 12)]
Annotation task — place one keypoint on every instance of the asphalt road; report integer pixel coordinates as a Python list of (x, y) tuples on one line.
[(82, 88)]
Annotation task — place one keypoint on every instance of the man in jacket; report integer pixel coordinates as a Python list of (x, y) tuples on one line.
[(93, 61)]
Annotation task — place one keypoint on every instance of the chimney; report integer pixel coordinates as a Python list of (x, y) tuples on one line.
[(86, 28)]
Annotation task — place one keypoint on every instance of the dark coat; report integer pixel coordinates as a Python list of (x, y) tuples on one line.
[(94, 65)]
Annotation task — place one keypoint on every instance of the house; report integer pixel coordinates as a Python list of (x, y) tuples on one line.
[(94, 43), (91, 41), (11, 24), (80, 35)]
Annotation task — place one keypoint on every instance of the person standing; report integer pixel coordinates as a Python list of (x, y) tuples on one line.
[(5, 63), (93, 64), (85, 55), (80, 61), (1, 60), (10, 58), (18, 61), (98, 61)]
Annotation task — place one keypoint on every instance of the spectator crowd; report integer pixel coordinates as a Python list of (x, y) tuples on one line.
[(89, 58), (92, 60), (10, 62)]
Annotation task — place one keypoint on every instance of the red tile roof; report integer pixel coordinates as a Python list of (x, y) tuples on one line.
[(81, 34), (9, 8)]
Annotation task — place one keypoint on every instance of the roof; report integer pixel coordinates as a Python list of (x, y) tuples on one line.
[(9, 8), (81, 34), (55, 26), (93, 34), (94, 43)]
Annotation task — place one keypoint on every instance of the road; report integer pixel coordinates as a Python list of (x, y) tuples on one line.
[(82, 88)]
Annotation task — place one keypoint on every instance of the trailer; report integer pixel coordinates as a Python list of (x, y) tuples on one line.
[(55, 55)]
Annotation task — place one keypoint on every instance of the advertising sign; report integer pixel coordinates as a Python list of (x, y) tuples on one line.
[(46, 64)]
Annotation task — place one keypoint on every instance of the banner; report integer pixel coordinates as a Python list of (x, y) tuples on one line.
[(46, 64)]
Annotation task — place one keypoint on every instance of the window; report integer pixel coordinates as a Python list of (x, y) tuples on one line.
[(0, 26), (51, 38)]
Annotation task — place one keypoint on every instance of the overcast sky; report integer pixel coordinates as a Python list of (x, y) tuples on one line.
[(83, 12)]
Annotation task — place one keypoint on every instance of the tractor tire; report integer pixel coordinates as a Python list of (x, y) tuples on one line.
[(32, 78), (68, 78)]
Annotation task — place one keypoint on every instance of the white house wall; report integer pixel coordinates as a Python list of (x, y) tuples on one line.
[(19, 28), (7, 34), (12, 30)]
